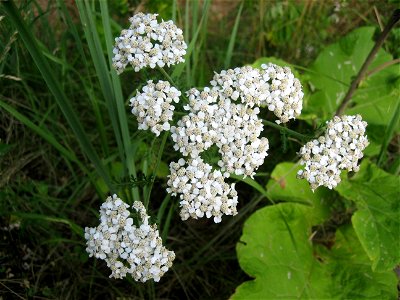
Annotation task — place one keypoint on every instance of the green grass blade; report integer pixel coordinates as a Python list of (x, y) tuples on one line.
[(88, 87), (74, 227), (162, 208), (388, 134), (48, 137), (54, 86), (167, 222), (232, 39), (179, 68), (187, 38), (199, 57), (102, 71), (174, 11)]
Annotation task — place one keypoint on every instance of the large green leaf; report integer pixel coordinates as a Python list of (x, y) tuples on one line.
[(377, 97), (275, 248), (284, 186), (334, 69), (377, 221), (350, 270)]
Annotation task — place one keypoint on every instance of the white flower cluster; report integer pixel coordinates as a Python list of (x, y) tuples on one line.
[(339, 149), (273, 86), (125, 247), (202, 190), (148, 43), (233, 128), (213, 119), (152, 107)]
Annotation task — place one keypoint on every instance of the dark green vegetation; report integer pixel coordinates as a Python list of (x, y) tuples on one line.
[(66, 136)]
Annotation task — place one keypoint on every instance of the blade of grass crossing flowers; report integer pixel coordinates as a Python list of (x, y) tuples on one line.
[(54, 86), (195, 16), (232, 39), (160, 153), (199, 57), (174, 11), (188, 61), (101, 71), (126, 139)]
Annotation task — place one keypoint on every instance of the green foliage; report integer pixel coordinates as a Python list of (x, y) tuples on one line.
[(350, 270), (277, 246), (284, 186), (334, 69), (275, 249), (376, 222)]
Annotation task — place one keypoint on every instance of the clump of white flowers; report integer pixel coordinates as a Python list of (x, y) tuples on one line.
[(224, 114), (148, 43), (339, 149), (233, 128), (272, 86), (214, 119), (196, 131), (203, 191), (152, 107), (126, 248)]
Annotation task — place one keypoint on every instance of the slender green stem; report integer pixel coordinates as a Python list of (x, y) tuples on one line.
[(171, 81), (251, 182), (288, 131), (378, 44), (160, 153)]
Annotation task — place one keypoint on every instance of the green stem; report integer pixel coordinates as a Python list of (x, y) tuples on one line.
[(160, 153), (288, 131), (251, 182), (361, 73), (171, 81)]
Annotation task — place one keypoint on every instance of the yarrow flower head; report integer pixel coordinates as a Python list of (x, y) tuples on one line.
[(234, 128), (339, 149), (152, 107), (272, 86), (148, 43), (125, 247), (203, 191)]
